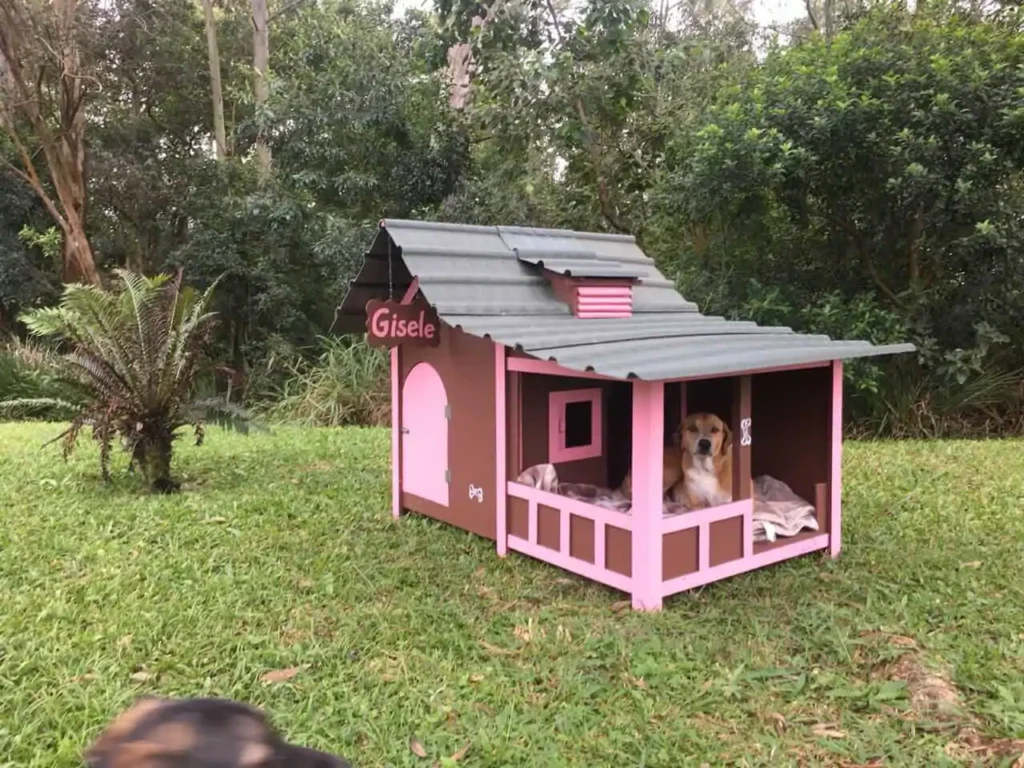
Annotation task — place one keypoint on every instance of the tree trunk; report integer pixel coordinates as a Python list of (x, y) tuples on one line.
[(40, 59), (219, 131), (154, 456), (261, 87)]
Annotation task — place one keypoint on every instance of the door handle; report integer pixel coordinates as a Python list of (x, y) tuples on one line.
[(405, 430)]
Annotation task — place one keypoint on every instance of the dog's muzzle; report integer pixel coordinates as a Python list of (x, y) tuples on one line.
[(704, 446)]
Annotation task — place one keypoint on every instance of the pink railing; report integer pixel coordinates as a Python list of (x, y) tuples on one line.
[(597, 570), (701, 520)]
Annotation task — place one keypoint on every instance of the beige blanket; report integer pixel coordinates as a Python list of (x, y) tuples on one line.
[(777, 510)]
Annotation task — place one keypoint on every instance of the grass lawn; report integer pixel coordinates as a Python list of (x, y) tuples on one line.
[(281, 555)]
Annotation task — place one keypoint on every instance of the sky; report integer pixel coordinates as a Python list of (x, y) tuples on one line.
[(766, 12)]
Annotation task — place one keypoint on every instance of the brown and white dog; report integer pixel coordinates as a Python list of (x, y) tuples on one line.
[(198, 733), (706, 444), (697, 471)]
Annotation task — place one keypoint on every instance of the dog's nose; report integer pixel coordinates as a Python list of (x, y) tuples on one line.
[(704, 445)]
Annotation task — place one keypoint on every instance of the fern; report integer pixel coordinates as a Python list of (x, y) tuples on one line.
[(135, 353)]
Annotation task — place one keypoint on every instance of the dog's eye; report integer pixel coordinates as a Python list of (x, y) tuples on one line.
[(692, 428), (714, 430)]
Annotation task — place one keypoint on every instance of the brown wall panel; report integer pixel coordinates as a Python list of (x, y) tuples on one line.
[(466, 366)]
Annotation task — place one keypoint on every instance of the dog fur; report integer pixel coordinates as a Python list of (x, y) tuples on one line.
[(706, 443), (697, 469), (198, 733)]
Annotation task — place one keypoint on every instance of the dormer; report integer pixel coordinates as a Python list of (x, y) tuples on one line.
[(592, 288)]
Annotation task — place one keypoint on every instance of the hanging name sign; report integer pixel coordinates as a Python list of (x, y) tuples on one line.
[(390, 324)]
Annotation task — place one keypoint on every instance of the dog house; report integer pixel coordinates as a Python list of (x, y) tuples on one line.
[(532, 369)]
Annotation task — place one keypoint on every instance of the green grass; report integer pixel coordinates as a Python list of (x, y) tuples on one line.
[(281, 553)]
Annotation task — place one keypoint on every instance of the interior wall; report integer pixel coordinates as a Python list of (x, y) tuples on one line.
[(534, 392), (791, 428)]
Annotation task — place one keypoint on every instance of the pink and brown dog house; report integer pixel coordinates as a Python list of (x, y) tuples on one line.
[(531, 369)]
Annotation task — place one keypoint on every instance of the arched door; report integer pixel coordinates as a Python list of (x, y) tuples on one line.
[(425, 435)]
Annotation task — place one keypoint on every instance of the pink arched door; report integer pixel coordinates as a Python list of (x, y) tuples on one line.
[(425, 435)]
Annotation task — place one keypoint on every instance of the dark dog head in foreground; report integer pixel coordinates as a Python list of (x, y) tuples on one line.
[(198, 733)]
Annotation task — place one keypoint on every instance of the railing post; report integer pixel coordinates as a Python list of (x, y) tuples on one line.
[(648, 510)]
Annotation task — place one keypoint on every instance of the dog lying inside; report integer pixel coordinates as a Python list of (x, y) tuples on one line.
[(198, 733), (697, 471)]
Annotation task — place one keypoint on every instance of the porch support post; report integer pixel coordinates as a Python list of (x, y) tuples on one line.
[(835, 475), (500, 448), (742, 437), (647, 512), (396, 434)]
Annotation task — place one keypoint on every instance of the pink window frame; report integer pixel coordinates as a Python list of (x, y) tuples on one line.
[(557, 402)]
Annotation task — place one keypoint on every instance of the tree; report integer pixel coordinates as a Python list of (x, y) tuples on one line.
[(134, 354), (882, 167), (261, 86), (44, 83), (220, 135)]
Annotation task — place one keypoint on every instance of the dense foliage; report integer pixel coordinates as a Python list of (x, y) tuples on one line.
[(859, 174), (130, 363)]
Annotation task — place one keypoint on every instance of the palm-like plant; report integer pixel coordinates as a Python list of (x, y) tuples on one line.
[(133, 354)]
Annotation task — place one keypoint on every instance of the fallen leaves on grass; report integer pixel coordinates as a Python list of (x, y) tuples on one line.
[(281, 675), (460, 752), (637, 682), (620, 605), (498, 650), (900, 641), (827, 731), (972, 747), (142, 676), (930, 690), (417, 748)]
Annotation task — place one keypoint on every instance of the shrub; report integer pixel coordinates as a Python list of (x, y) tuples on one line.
[(347, 384), (133, 354)]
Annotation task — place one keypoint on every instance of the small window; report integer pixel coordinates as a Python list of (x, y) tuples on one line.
[(574, 428)]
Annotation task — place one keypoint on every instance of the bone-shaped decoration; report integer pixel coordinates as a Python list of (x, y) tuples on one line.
[(745, 432)]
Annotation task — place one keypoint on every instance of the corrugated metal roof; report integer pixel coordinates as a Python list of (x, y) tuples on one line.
[(477, 279)]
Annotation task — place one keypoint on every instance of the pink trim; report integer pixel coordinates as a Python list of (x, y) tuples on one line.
[(744, 564), (410, 292), (606, 301), (500, 448), (549, 368), (624, 291), (836, 475), (571, 564), (685, 520), (647, 510), (558, 452), (572, 506), (396, 437), (601, 517)]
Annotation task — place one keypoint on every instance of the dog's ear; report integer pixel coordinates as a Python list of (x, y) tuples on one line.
[(726, 438)]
